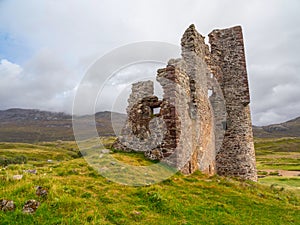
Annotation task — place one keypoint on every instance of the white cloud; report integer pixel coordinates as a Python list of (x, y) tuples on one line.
[(43, 83), (9, 70)]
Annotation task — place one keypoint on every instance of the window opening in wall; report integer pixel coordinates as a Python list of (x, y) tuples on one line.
[(156, 111)]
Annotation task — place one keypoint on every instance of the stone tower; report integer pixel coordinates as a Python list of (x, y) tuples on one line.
[(192, 131), (236, 157)]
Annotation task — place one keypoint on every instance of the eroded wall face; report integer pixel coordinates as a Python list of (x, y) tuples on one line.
[(236, 156), (195, 130), (141, 132), (177, 144), (194, 52)]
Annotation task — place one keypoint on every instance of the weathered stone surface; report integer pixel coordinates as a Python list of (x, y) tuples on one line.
[(7, 205), (199, 91), (31, 206), (17, 177), (194, 52), (41, 192), (236, 156), (30, 171)]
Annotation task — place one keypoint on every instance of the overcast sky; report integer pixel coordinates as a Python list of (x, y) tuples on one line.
[(46, 46)]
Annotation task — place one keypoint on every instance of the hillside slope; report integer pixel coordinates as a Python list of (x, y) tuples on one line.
[(31, 126), (290, 128), (79, 195)]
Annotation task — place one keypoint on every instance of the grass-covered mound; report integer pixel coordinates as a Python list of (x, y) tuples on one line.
[(79, 195)]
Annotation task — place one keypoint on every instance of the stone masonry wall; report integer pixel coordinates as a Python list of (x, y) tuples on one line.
[(236, 156), (194, 51), (141, 132), (177, 144), (206, 97)]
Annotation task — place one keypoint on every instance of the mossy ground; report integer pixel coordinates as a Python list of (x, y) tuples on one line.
[(79, 195)]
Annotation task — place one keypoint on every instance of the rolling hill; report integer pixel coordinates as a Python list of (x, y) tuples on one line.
[(290, 128), (31, 126), (78, 194)]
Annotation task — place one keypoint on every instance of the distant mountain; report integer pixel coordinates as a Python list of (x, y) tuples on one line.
[(31, 125), (290, 128)]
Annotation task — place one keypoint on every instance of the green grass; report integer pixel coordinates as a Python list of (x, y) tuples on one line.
[(38, 153), (79, 195), (272, 145), (280, 153), (284, 182)]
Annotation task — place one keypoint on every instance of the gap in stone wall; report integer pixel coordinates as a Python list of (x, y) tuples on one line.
[(158, 90), (206, 40), (156, 111)]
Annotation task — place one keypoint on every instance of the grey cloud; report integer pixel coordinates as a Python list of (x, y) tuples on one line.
[(43, 83), (77, 32)]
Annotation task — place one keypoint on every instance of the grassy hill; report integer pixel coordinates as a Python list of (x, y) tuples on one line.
[(79, 195), (36, 154), (32, 126)]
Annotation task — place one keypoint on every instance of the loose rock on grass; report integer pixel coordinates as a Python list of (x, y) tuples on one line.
[(31, 206), (30, 171), (7, 205), (17, 177), (41, 192)]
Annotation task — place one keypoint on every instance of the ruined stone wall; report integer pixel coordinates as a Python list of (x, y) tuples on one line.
[(194, 51), (236, 156), (206, 98), (141, 132), (177, 144)]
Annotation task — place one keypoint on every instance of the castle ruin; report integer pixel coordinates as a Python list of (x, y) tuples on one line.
[(203, 121)]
